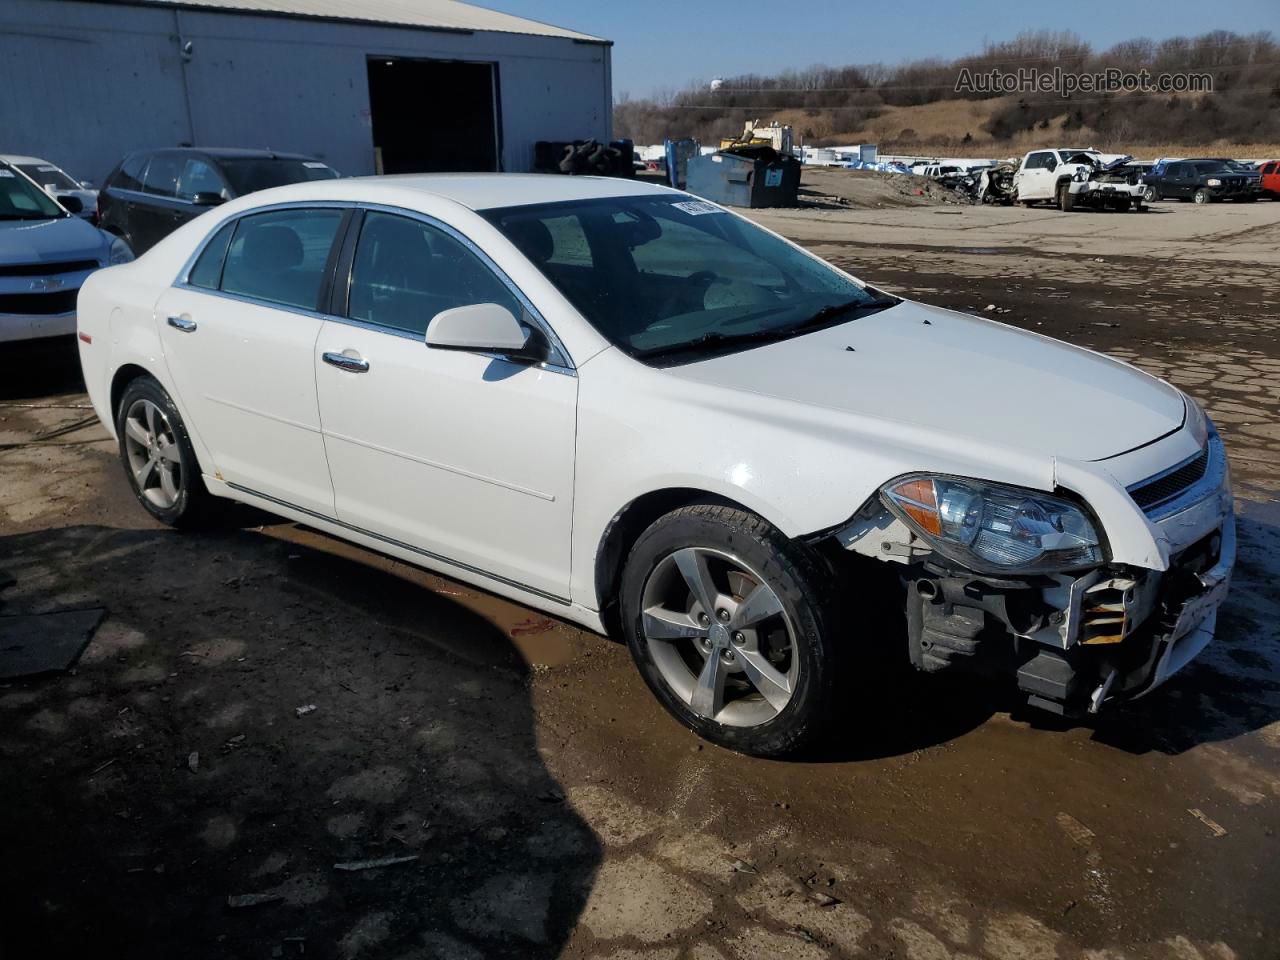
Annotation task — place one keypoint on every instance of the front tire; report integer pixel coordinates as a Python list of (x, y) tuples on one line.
[(1203, 196), (157, 456), (1066, 199), (731, 626)]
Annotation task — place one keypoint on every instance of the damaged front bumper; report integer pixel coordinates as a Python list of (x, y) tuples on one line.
[(1074, 641)]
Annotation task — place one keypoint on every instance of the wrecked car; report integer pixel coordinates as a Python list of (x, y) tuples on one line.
[(1079, 178), (645, 414)]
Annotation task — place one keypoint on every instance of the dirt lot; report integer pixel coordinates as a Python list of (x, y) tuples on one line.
[(553, 809)]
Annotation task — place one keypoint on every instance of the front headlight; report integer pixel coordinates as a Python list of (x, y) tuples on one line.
[(1080, 176), (992, 528), (120, 252), (1214, 182)]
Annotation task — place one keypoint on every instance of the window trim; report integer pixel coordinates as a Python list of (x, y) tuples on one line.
[(333, 285)]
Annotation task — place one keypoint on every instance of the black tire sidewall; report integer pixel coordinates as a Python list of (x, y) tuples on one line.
[(795, 578), (192, 496)]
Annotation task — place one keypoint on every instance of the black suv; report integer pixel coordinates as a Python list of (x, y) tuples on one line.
[(1203, 181), (152, 193)]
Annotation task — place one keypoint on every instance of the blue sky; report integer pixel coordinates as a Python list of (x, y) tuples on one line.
[(661, 44)]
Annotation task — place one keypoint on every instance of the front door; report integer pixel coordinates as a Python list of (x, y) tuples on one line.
[(1036, 180), (239, 338), (463, 456)]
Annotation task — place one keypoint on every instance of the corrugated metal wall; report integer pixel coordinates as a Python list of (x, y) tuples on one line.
[(85, 83)]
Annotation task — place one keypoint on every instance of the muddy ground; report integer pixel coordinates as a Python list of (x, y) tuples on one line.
[(552, 807)]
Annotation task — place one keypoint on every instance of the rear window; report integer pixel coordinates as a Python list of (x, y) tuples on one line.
[(247, 174), (280, 256)]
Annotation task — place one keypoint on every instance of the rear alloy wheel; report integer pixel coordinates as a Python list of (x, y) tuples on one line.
[(1151, 195), (1203, 196), (158, 457), (726, 619)]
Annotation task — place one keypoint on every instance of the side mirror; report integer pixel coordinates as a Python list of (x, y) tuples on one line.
[(484, 328), (73, 204), (207, 198)]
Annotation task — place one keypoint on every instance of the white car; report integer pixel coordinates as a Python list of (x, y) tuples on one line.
[(57, 183), (647, 415), (1079, 178)]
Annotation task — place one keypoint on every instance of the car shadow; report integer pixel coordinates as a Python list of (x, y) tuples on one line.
[(255, 721)]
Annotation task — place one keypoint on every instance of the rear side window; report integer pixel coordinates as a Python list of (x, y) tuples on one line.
[(280, 256), (207, 272), (162, 175), (129, 176), (406, 271)]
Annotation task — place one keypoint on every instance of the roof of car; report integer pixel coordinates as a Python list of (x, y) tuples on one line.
[(478, 191), (15, 158), (234, 153)]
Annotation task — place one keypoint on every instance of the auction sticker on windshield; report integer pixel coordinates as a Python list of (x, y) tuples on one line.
[(696, 208)]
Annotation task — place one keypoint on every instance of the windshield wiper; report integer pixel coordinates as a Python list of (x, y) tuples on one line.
[(713, 340), (831, 311)]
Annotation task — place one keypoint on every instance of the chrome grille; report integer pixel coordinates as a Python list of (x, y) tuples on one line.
[(1163, 487)]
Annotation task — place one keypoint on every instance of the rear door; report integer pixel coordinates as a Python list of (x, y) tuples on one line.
[(155, 213), (239, 336), (1176, 181), (467, 457)]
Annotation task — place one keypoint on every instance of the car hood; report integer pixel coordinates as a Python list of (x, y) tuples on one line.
[(961, 375), (47, 241)]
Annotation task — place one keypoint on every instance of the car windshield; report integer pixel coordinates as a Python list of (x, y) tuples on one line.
[(48, 176), (671, 277), (247, 174), (21, 200)]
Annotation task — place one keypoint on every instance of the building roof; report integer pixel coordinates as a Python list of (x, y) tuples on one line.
[(428, 14)]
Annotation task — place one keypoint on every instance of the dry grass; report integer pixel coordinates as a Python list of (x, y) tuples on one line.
[(941, 128)]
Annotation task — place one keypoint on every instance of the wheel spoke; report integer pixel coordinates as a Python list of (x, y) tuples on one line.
[(143, 474), (168, 451), (773, 686), (692, 564), (708, 694), (760, 604), (150, 409), (136, 431), (661, 624), (168, 482)]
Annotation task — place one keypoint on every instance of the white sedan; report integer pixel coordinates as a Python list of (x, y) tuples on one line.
[(645, 414)]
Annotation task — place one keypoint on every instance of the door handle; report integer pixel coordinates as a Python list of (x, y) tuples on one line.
[(183, 323), (343, 362)]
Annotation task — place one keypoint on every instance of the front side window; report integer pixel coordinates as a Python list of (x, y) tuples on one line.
[(406, 271), (280, 256), (660, 276), (198, 177)]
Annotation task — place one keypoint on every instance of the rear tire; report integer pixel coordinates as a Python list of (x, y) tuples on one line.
[(771, 687), (1151, 195), (158, 457)]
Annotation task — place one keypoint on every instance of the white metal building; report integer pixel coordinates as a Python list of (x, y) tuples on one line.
[(366, 85)]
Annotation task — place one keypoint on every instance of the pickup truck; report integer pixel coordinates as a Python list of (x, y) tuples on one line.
[(1078, 178), (1204, 181)]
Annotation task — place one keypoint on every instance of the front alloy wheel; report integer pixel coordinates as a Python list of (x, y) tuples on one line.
[(732, 626), (720, 637)]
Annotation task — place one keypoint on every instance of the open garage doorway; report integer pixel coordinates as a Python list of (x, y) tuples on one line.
[(433, 116)]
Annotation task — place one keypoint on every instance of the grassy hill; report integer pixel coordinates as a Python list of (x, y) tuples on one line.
[(914, 107)]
